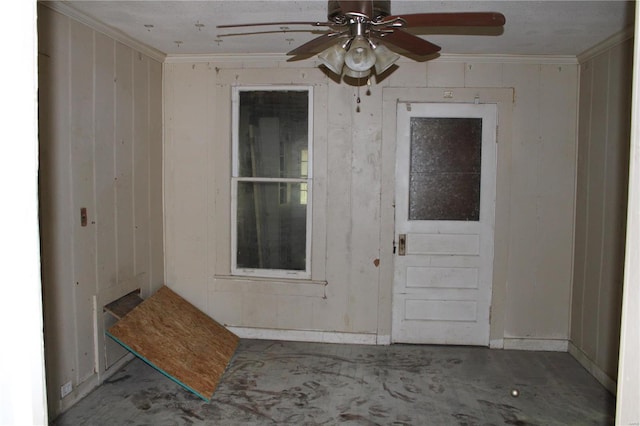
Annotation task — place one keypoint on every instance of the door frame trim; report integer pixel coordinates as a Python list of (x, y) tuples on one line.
[(504, 99), (481, 231)]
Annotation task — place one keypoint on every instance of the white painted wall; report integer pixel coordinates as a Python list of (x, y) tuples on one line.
[(101, 149), (534, 216), (22, 378)]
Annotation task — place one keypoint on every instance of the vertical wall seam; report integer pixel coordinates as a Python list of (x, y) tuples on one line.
[(114, 163), (94, 204), (71, 201), (132, 152), (149, 183), (163, 100)]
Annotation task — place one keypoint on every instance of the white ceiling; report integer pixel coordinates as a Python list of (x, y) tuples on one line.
[(189, 27)]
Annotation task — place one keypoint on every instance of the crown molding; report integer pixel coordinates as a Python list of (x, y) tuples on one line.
[(279, 57), (178, 58), (66, 9), (509, 59), (605, 45)]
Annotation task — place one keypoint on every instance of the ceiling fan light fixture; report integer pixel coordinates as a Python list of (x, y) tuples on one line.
[(384, 58), (368, 28), (333, 57), (360, 56), (356, 74)]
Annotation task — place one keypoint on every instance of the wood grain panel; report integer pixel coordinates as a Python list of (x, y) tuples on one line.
[(156, 205), (140, 178), (443, 244), (581, 200), (82, 177), (615, 207), (441, 310), (104, 159), (124, 162), (55, 198), (92, 99), (596, 185), (179, 340), (442, 277)]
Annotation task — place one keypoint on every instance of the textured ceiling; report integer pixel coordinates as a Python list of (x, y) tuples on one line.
[(189, 27)]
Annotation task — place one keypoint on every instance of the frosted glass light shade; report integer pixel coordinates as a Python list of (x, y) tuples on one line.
[(333, 58), (384, 58), (360, 56), (356, 74)]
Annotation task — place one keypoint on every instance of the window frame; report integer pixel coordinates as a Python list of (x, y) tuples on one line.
[(235, 179)]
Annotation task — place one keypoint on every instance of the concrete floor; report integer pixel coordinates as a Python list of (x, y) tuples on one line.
[(272, 382)]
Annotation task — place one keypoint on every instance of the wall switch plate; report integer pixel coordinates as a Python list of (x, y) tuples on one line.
[(66, 389)]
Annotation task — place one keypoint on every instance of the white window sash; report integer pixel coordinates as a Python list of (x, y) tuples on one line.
[(235, 178)]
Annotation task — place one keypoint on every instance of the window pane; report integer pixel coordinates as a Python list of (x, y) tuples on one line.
[(444, 182), (273, 133), (272, 226)]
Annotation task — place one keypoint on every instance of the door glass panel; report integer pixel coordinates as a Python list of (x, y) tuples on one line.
[(444, 175)]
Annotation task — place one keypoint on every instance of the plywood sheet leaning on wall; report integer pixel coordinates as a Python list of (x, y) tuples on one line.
[(177, 339)]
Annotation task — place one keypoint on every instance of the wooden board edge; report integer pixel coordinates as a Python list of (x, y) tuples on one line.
[(151, 364)]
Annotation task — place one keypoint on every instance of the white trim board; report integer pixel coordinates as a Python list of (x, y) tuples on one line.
[(551, 345), (592, 368), (305, 336), (525, 344), (279, 57)]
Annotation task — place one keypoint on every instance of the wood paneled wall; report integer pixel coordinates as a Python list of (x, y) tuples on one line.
[(601, 205), (100, 150), (534, 214)]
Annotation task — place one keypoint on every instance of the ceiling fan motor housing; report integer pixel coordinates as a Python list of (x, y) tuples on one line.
[(380, 10)]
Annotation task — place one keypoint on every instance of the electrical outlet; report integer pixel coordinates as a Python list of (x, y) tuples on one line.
[(66, 389)]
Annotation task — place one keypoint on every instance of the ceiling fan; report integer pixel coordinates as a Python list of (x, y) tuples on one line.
[(358, 31)]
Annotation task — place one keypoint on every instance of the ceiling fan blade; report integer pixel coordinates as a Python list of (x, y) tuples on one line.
[(409, 42), (462, 19), (363, 6), (316, 45), (259, 24)]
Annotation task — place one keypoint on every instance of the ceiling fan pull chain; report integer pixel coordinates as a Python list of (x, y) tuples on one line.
[(358, 97)]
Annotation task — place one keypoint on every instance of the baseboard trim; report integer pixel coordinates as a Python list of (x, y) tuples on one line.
[(602, 377), (523, 344), (305, 335), (496, 344), (383, 339)]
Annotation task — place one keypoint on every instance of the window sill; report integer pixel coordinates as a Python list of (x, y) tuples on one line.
[(273, 286)]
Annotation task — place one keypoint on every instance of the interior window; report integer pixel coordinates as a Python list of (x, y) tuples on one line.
[(271, 182)]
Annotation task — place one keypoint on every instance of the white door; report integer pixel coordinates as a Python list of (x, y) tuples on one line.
[(445, 204)]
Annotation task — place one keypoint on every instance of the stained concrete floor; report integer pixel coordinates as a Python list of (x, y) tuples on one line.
[(271, 382)]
